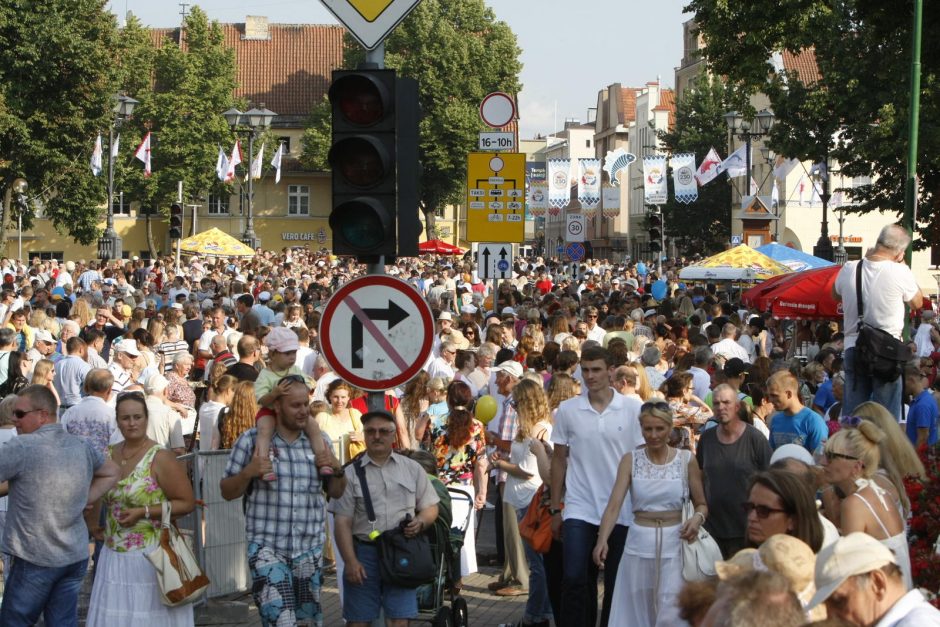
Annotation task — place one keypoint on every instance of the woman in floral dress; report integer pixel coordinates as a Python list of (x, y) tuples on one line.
[(125, 591)]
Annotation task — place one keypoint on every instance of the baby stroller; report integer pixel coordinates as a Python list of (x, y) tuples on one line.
[(446, 543)]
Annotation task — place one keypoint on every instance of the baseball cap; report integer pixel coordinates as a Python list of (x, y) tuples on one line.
[(855, 554), (127, 346), (792, 451), (264, 296), (445, 315), (282, 340), (508, 311), (470, 309), (632, 283), (649, 312), (735, 367), (510, 367), (44, 336)]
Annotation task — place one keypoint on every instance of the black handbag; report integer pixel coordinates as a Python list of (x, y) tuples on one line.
[(877, 353), (403, 562)]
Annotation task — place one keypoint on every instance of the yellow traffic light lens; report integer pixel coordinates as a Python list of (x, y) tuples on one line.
[(361, 162)]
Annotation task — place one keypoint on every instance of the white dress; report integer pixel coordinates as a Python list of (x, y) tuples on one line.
[(646, 586)]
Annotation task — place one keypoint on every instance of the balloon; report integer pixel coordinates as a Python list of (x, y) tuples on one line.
[(659, 290), (485, 408)]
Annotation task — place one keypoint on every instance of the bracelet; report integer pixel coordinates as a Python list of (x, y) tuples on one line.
[(700, 514)]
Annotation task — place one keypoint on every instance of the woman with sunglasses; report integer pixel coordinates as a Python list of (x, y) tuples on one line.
[(125, 591), (779, 501), (471, 331), (659, 479), (850, 463)]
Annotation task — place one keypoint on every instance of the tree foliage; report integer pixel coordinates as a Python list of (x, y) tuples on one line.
[(859, 109)]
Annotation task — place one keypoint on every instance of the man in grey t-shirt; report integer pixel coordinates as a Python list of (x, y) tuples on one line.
[(51, 476)]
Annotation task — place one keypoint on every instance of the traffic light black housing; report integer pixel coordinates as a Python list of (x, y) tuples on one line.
[(176, 221), (374, 160), (656, 232)]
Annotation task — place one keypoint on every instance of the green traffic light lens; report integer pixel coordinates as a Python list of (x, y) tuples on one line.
[(359, 99), (360, 225)]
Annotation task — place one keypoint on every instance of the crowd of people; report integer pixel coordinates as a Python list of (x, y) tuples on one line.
[(633, 424)]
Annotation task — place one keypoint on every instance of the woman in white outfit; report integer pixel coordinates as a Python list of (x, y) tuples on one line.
[(659, 479)]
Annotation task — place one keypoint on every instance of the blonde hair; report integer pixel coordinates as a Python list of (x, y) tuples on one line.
[(531, 407), (241, 417), (643, 387), (659, 411), (861, 442), (41, 370), (561, 387)]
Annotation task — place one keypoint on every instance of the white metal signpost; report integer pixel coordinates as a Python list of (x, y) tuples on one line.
[(370, 21), (376, 332), (494, 261)]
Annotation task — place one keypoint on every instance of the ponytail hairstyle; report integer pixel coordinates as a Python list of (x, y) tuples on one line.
[(460, 415), (862, 442)]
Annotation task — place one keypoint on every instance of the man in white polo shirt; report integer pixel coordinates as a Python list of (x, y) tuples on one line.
[(592, 433)]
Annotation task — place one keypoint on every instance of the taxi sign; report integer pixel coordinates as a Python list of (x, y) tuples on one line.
[(496, 197), (370, 21)]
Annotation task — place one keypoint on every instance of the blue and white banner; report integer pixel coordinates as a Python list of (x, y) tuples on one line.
[(615, 162), (589, 183), (559, 186), (655, 189), (735, 164), (683, 177)]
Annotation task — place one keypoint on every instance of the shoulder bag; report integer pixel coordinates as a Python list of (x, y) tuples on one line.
[(877, 353), (698, 557), (404, 562), (179, 576), (536, 526)]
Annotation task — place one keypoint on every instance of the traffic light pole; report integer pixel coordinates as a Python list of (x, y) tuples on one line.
[(376, 400)]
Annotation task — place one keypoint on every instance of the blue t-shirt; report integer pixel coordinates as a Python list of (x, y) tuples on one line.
[(824, 397), (806, 428), (923, 414)]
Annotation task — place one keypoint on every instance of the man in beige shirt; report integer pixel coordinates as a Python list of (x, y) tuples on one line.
[(398, 487)]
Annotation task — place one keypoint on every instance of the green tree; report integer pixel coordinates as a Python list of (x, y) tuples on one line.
[(56, 85), (316, 138), (458, 52), (858, 110), (703, 226)]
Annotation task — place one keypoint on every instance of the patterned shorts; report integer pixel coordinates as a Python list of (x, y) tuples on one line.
[(286, 590)]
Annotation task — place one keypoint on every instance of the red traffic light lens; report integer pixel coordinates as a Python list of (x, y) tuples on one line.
[(360, 161), (360, 100)]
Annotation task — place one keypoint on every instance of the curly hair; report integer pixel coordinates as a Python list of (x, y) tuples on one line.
[(241, 416), (562, 387), (674, 386), (459, 417), (531, 407)]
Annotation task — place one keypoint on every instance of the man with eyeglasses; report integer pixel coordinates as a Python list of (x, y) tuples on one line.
[(923, 414), (594, 331), (284, 519), (51, 476), (443, 366), (398, 488)]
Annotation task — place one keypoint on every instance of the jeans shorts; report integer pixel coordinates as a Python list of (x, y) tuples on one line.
[(286, 590), (361, 603)]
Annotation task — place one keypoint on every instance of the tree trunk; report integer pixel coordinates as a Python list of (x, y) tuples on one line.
[(429, 224)]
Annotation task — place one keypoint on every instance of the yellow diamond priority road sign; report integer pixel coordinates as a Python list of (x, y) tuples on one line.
[(370, 21)]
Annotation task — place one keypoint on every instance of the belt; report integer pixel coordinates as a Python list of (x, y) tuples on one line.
[(365, 542), (657, 519)]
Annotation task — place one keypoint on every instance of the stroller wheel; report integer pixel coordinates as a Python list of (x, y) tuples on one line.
[(442, 618), (459, 612)]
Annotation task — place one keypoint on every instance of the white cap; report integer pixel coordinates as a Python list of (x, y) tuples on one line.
[(44, 336), (855, 554), (470, 309), (510, 367), (126, 346), (792, 451), (264, 296), (445, 315), (508, 311)]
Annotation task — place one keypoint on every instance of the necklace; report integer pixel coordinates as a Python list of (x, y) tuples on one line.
[(126, 458)]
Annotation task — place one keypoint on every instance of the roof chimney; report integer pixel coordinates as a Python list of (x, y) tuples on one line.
[(256, 28)]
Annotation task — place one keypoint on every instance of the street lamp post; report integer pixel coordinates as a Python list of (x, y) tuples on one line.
[(250, 122), (110, 244), (742, 128), (823, 247)]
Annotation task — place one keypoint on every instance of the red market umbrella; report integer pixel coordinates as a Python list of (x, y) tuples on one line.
[(439, 247), (756, 297), (807, 295)]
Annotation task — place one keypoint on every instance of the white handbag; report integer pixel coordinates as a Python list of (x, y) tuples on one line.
[(699, 557), (179, 575)]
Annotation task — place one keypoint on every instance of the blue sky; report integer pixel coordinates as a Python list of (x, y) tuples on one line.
[(567, 55)]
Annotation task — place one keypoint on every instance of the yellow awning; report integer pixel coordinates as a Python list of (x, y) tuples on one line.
[(215, 243)]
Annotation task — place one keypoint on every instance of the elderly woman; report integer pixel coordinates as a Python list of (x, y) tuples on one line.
[(126, 590), (180, 394)]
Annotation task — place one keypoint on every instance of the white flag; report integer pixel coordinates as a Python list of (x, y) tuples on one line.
[(783, 167), (775, 196), (256, 163), (276, 162), (655, 189), (233, 161), (221, 164), (589, 184), (754, 188), (559, 190), (683, 177), (143, 154), (735, 164), (115, 146), (96, 157), (709, 168)]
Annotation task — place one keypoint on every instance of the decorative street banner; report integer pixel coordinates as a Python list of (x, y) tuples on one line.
[(589, 184), (615, 162), (559, 188), (538, 198), (611, 201), (683, 177), (654, 180), (709, 168)]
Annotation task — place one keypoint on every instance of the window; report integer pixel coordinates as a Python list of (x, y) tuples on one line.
[(286, 141), (439, 212), (298, 200), (45, 256), (218, 204), (118, 206), (587, 143)]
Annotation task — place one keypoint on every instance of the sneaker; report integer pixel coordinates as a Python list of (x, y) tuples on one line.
[(496, 585), (511, 591)]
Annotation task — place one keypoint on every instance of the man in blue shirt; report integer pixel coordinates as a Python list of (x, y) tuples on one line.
[(793, 423), (923, 413)]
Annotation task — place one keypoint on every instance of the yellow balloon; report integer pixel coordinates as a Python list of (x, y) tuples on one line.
[(485, 408)]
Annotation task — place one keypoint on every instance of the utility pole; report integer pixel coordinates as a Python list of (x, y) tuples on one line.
[(910, 184)]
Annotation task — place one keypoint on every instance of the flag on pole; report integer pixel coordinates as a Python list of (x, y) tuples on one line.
[(143, 154), (221, 164), (709, 168), (655, 191), (775, 196), (754, 187), (559, 190), (276, 162), (233, 161), (735, 164), (96, 157), (589, 185), (683, 177), (256, 163), (783, 167), (801, 187), (115, 146)]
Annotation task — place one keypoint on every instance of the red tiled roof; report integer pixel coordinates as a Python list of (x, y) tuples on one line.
[(667, 102), (803, 63), (628, 104), (289, 72)]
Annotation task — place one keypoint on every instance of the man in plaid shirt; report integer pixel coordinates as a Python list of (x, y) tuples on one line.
[(285, 518)]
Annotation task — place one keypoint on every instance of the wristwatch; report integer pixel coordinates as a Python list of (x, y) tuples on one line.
[(552, 511)]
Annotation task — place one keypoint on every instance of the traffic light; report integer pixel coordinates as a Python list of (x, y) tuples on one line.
[(176, 221), (374, 159), (656, 231)]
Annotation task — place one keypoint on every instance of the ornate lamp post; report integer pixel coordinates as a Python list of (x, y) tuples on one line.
[(745, 131), (823, 247), (110, 244), (250, 122)]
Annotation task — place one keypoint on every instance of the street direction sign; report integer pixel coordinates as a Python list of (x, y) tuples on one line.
[(494, 261), (497, 141), (370, 21), (574, 227), (497, 109), (575, 251), (376, 332), (496, 197)]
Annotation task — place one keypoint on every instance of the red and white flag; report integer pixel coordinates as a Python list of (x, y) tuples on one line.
[(143, 154), (276, 162), (708, 169), (233, 161)]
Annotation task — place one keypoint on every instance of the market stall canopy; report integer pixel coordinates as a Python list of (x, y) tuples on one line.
[(438, 247), (801, 295), (215, 243), (792, 258), (741, 263)]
